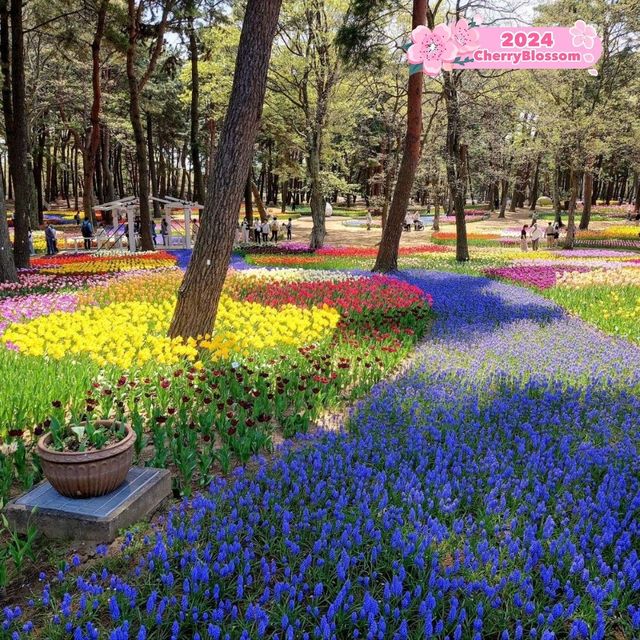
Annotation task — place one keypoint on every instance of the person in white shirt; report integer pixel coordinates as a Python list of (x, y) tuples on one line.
[(369, 220), (266, 229), (536, 236)]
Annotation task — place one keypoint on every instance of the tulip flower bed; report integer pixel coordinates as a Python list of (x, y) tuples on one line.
[(273, 249), (448, 238), (352, 258), (540, 277), (466, 499), (87, 264), (607, 298), (287, 347)]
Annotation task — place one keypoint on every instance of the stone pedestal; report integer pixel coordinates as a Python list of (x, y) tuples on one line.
[(92, 519)]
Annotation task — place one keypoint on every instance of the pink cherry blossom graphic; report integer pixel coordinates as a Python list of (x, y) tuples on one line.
[(431, 48), (583, 35), (464, 37)]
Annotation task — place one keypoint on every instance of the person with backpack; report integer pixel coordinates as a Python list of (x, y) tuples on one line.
[(87, 232), (50, 237)]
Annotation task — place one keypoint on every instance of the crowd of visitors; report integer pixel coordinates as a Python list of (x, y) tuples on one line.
[(535, 234), (262, 231)]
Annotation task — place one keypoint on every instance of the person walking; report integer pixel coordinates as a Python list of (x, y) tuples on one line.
[(87, 233), (289, 227), (369, 220), (536, 236), (164, 232), (266, 229), (274, 230), (550, 233), (524, 243), (152, 226), (32, 251)]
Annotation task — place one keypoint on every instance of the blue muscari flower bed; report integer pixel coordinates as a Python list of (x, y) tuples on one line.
[(474, 497)]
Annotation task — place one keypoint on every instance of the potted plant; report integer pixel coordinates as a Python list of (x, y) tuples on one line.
[(86, 459)]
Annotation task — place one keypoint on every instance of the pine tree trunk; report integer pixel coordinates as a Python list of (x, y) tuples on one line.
[(93, 139), (571, 215), (455, 165), (387, 259), (586, 198), (196, 161), (436, 214), (285, 195), (107, 173), (318, 206), (38, 164), (152, 167), (141, 160), (555, 193), (199, 294), (503, 199), (8, 271), (16, 130), (533, 198), (135, 88), (259, 202), (248, 201)]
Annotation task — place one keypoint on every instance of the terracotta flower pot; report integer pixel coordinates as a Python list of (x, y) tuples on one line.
[(87, 474)]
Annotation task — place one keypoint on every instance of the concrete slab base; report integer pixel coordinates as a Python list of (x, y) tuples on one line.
[(91, 519)]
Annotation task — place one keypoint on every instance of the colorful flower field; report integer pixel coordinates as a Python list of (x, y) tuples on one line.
[(490, 490), (287, 346), (487, 489)]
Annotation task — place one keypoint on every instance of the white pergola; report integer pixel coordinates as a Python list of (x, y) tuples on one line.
[(169, 205), (129, 207)]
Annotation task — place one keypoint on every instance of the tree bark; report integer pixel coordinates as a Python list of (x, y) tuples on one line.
[(571, 215), (259, 202), (8, 271), (107, 173), (198, 182), (17, 133), (503, 199), (93, 138), (135, 89), (248, 201), (455, 165), (436, 212), (199, 294), (533, 198), (387, 259), (586, 197), (555, 192), (38, 163), (318, 206), (152, 167)]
